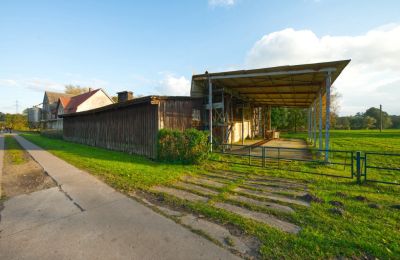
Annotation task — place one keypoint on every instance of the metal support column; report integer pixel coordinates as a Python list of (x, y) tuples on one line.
[(315, 123), (320, 120), (328, 112), (243, 124), (210, 112), (308, 124)]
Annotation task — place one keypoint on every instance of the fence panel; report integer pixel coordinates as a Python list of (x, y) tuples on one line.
[(382, 167), (340, 163)]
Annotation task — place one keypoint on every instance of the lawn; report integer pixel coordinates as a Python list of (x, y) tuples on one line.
[(120, 170), (369, 226)]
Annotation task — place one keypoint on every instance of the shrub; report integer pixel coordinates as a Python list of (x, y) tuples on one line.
[(190, 146)]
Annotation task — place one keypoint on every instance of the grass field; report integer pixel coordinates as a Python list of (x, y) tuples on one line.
[(369, 227)]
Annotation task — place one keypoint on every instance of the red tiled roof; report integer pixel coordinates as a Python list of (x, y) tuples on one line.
[(75, 101), (64, 101)]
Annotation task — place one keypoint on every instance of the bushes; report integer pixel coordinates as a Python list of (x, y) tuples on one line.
[(190, 146)]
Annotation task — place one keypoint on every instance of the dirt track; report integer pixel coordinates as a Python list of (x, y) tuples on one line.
[(23, 178)]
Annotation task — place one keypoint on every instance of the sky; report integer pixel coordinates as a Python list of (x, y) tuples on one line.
[(154, 47)]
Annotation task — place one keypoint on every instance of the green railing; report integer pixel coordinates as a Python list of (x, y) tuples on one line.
[(340, 163)]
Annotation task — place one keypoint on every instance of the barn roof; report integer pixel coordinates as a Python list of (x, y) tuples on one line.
[(154, 100), (287, 86), (54, 96)]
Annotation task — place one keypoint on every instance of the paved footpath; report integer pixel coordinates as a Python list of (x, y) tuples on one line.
[(84, 218), (1, 159)]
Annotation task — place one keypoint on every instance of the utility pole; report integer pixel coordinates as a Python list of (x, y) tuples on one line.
[(380, 115), (16, 107)]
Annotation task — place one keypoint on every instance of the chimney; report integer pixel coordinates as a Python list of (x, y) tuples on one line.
[(90, 90), (124, 96)]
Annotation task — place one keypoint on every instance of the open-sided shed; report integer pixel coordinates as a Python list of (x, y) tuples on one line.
[(228, 95)]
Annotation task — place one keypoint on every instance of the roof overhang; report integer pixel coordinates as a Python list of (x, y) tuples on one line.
[(283, 86)]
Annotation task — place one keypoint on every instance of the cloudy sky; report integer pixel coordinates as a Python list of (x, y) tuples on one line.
[(154, 47)]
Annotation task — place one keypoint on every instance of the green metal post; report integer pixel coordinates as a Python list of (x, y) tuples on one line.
[(358, 166)]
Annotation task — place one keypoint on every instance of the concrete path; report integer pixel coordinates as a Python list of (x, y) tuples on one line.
[(86, 219), (1, 159)]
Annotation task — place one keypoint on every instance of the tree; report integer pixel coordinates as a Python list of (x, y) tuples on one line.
[(296, 118), (369, 122), (16, 121), (343, 123), (2, 117), (395, 121), (75, 89), (375, 113), (279, 117)]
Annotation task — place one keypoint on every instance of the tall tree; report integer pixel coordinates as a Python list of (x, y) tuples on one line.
[(75, 89), (375, 113)]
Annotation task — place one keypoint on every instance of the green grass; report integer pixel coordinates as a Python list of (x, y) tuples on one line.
[(121, 170), (361, 232), (14, 151)]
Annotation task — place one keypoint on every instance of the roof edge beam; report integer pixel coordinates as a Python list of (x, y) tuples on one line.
[(274, 73)]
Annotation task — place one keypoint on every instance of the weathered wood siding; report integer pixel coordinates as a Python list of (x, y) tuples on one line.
[(130, 129), (177, 113)]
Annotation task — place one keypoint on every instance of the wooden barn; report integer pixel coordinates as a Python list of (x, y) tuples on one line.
[(132, 125)]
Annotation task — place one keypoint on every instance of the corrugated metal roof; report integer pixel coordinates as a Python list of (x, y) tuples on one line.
[(287, 86)]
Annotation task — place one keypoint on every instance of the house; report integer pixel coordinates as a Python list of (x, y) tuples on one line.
[(49, 110), (66, 104), (132, 124)]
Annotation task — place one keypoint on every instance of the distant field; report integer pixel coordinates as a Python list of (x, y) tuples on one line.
[(387, 141), (368, 228), (359, 140)]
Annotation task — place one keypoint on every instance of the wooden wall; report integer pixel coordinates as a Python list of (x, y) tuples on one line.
[(133, 128), (177, 113), (130, 129)]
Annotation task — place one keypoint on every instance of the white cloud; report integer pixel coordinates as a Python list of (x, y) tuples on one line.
[(172, 85), (215, 3), (371, 76)]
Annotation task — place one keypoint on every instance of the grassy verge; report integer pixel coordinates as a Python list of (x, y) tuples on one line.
[(369, 226), (120, 170), (13, 151)]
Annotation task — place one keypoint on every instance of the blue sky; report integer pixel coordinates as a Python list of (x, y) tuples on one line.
[(153, 47)]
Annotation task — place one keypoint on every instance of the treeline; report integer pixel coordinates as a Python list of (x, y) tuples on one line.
[(294, 119), (14, 121), (370, 119)]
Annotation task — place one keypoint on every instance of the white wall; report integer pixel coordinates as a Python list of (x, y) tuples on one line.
[(236, 134), (99, 99)]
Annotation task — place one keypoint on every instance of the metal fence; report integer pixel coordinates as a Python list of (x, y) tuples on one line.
[(341, 163)]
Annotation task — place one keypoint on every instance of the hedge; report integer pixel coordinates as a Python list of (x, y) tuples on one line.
[(190, 146)]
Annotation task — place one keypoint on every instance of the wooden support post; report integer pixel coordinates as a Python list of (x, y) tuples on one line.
[(264, 121), (328, 112), (269, 118), (210, 112)]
